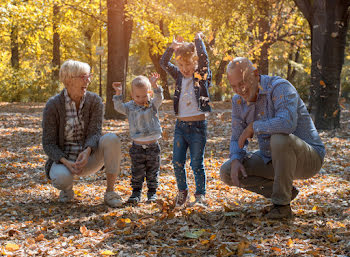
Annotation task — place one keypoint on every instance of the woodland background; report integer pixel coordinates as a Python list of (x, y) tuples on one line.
[(304, 41)]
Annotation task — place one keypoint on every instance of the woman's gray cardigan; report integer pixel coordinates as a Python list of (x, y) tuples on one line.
[(54, 122)]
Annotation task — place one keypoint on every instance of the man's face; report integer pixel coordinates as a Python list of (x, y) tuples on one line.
[(244, 83)]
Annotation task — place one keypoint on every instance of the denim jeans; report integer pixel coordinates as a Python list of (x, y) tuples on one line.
[(192, 135)]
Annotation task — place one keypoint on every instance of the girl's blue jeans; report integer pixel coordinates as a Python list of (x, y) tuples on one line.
[(192, 135)]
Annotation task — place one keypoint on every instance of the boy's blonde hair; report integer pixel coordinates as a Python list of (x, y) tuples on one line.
[(140, 82), (186, 52)]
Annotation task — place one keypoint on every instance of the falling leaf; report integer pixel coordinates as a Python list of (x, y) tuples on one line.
[(322, 83), (11, 247)]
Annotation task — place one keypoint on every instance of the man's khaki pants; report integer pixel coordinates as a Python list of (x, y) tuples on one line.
[(292, 158)]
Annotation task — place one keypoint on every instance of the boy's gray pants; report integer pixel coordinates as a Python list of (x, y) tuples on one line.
[(292, 158)]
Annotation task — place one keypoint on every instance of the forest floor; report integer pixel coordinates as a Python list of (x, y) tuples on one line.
[(34, 223)]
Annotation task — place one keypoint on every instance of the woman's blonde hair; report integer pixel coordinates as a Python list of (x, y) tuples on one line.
[(71, 68)]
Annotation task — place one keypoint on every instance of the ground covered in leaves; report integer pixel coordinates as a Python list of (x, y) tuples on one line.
[(34, 223)]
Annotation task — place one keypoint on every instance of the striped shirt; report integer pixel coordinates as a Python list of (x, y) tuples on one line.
[(73, 133), (278, 110)]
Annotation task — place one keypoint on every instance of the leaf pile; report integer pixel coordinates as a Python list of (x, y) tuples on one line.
[(34, 223)]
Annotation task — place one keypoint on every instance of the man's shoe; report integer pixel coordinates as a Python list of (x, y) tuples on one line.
[(112, 199), (295, 192), (66, 196), (135, 197), (151, 196), (181, 198), (280, 212)]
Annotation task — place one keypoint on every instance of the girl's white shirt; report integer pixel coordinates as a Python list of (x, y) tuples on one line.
[(188, 105)]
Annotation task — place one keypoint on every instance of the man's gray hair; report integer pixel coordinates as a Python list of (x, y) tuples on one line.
[(242, 62), (71, 68)]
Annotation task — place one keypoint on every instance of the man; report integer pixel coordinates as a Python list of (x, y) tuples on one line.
[(289, 145)]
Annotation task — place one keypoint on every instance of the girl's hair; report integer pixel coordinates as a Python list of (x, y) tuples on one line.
[(186, 52), (72, 68), (140, 82)]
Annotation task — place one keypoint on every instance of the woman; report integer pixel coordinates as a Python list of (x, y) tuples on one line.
[(72, 126)]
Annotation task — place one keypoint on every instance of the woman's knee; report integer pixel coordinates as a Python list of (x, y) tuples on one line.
[(110, 139), (61, 177)]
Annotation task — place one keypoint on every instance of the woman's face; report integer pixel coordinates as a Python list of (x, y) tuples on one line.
[(77, 86)]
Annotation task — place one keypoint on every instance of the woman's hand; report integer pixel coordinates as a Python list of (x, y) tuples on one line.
[(117, 86), (153, 79), (70, 166), (82, 159)]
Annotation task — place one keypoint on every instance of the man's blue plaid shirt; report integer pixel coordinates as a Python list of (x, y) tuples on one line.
[(277, 110)]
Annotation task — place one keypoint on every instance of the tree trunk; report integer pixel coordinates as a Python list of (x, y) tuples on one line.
[(328, 22), (56, 55), (263, 59), (163, 75), (14, 47), (119, 35), (292, 71)]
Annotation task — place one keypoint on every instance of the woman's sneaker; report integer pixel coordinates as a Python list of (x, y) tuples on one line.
[(181, 198), (66, 196), (113, 199)]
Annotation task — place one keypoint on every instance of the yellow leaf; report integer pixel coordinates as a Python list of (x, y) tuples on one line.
[(228, 58), (290, 242), (11, 247), (107, 252), (203, 242), (212, 237), (197, 76), (314, 208)]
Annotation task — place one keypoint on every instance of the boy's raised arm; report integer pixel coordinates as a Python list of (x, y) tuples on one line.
[(119, 106)]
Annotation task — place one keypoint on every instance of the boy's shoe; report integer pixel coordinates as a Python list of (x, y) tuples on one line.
[(181, 198), (66, 196), (280, 212), (113, 199), (135, 197), (199, 200), (151, 196)]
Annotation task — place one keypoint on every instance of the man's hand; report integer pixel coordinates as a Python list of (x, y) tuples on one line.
[(237, 169), (117, 86), (153, 79), (248, 132), (82, 159)]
